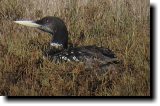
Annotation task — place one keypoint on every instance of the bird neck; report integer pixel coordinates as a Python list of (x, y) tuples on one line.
[(60, 40)]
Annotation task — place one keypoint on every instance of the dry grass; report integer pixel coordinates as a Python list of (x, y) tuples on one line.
[(121, 25)]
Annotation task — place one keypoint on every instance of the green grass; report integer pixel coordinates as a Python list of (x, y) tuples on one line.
[(120, 25)]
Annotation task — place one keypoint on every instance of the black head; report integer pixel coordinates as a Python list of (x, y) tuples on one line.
[(57, 28)]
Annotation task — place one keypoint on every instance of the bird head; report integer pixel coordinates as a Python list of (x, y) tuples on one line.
[(53, 25)]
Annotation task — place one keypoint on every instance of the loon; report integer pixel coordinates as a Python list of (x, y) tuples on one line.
[(86, 54)]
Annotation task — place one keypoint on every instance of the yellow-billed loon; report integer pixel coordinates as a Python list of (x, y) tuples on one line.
[(86, 54)]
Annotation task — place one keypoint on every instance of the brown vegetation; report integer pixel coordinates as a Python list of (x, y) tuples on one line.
[(121, 25)]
